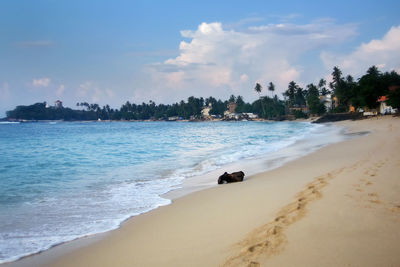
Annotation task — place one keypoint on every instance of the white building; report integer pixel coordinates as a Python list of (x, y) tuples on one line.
[(384, 108), (205, 112), (327, 100), (58, 104), (250, 115)]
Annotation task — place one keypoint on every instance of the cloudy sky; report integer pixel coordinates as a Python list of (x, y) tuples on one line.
[(108, 52)]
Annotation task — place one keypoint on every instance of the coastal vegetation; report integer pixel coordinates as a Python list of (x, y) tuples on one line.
[(345, 94)]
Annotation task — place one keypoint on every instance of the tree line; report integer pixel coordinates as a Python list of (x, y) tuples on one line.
[(190, 109), (347, 92), (344, 89)]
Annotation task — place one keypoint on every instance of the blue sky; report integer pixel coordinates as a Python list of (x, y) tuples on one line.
[(109, 52)]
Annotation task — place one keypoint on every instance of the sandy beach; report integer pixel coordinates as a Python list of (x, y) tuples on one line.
[(339, 206)]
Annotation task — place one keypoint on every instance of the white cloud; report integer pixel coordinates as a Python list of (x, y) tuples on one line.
[(60, 90), (42, 82), (83, 89), (109, 93), (244, 77), (4, 92), (88, 91), (383, 53), (216, 61)]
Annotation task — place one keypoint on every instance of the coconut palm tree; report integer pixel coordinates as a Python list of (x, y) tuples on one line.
[(258, 89), (271, 88)]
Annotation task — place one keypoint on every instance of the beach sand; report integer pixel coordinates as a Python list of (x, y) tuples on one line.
[(339, 206)]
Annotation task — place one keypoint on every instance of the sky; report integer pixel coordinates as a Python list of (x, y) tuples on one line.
[(110, 52)]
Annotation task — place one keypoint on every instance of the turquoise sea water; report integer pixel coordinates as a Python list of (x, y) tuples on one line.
[(64, 180)]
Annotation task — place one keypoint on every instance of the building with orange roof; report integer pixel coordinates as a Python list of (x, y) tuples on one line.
[(383, 107)]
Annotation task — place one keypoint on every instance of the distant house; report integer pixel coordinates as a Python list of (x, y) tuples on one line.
[(232, 116), (327, 100), (205, 112), (335, 102), (232, 107), (383, 107), (173, 118), (250, 116), (58, 104), (382, 100), (230, 113)]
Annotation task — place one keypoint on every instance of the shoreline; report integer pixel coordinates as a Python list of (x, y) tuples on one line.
[(262, 163), (185, 203), (251, 166)]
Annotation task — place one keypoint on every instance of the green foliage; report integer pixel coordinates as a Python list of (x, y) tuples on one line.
[(340, 88), (339, 109), (314, 104), (242, 107), (258, 88), (300, 97), (290, 93), (394, 98), (39, 111), (218, 107), (298, 114), (128, 111), (321, 87), (295, 95), (373, 85), (365, 92), (370, 87), (271, 88), (268, 108)]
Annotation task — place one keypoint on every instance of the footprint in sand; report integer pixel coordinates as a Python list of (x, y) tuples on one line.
[(374, 198), (253, 248), (280, 218), (395, 207), (270, 238), (371, 173)]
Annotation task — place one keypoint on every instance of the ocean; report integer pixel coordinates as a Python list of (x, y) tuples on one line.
[(63, 180)]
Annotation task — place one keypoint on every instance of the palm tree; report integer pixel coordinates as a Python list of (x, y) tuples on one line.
[(271, 87), (258, 89), (290, 93), (373, 71), (322, 88), (300, 95)]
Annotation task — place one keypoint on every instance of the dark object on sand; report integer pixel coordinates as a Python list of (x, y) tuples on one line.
[(330, 117), (231, 178)]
